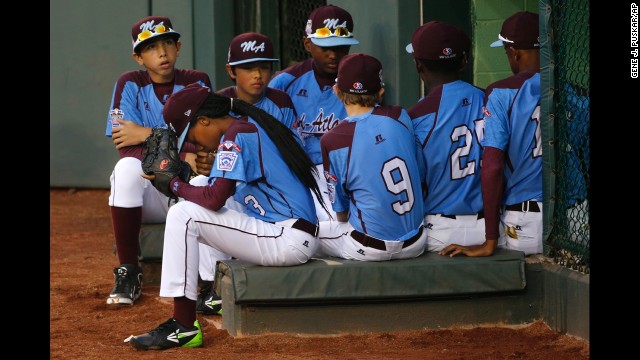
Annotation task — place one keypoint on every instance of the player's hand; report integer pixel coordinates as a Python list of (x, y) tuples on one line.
[(486, 249), (204, 161), (129, 133), (190, 158), (148, 177)]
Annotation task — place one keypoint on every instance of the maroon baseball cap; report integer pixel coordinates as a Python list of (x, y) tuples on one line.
[(150, 27), (437, 40), (182, 106), (359, 74), (520, 31), (330, 26), (250, 47)]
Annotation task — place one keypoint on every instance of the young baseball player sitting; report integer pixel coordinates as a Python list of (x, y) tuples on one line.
[(372, 172), (445, 122), (249, 64), (511, 172), (261, 163), (136, 107), (329, 36)]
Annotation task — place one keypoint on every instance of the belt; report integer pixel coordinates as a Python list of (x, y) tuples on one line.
[(524, 206), (480, 215), (304, 225), (372, 242)]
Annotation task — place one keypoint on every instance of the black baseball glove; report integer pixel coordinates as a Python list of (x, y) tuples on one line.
[(160, 157)]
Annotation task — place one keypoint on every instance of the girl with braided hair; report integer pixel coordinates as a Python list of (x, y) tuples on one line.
[(259, 162)]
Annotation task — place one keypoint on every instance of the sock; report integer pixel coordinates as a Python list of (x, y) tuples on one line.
[(126, 228), (184, 311)]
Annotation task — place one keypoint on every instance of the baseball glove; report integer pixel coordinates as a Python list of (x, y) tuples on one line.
[(160, 158)]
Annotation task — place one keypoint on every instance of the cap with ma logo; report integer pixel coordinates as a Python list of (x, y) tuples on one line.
[(250, 47)]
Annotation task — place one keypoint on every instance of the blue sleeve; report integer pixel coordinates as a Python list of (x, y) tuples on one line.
[(337, 167), (127, 105), (496, 116), (281, 81)]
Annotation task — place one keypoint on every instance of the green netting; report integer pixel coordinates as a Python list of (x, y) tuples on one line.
[(569, 235)]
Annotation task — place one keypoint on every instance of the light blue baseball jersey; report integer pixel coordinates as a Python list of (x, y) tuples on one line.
[(371, 170), (275, 102), (447, 123), (319, 109), (135, 96), (512, 116), (265, 184)]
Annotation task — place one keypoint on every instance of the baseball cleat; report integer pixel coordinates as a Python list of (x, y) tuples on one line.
[(128, 285), (208, 302), (168, 335)]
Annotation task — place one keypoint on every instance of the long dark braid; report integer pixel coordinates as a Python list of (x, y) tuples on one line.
[(292, 153)]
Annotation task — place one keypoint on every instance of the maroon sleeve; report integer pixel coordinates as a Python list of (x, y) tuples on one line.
[(492, 182), (131, 151), (187, 147), (210, 197)]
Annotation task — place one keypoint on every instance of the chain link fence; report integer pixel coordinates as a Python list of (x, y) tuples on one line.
[(568, 242), (294, 15)]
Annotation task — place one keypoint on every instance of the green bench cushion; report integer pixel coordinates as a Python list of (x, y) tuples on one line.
[(151, 242), (333, 279)]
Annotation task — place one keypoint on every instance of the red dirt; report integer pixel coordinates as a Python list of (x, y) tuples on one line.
[(81, 326)]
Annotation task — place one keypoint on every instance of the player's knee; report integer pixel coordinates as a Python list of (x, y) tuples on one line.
[(128, 167), (179, 212), (199, 180), (127, 186)]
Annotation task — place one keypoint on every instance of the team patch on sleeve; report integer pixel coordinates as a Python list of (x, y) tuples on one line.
[(226, 160), (486, 112)]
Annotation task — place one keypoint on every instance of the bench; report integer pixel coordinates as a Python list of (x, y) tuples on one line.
[(336, 296), (151, 242)]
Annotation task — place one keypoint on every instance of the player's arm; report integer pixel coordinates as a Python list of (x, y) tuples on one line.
[(129, 131), (492, 182), (212, 197), (129, 134), (333, 177)]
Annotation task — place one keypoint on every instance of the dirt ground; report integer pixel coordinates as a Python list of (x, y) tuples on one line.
[(81, 327)]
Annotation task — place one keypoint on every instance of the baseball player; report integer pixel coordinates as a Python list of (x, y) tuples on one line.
[(372, 172), (261, 163), (136, 107), (447, 123), (249, 65), (511, 172), (329, 36)]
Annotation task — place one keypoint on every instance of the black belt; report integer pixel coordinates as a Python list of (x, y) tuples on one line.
[(372, 242), (304, 225), (480, 215), (524, 206)]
